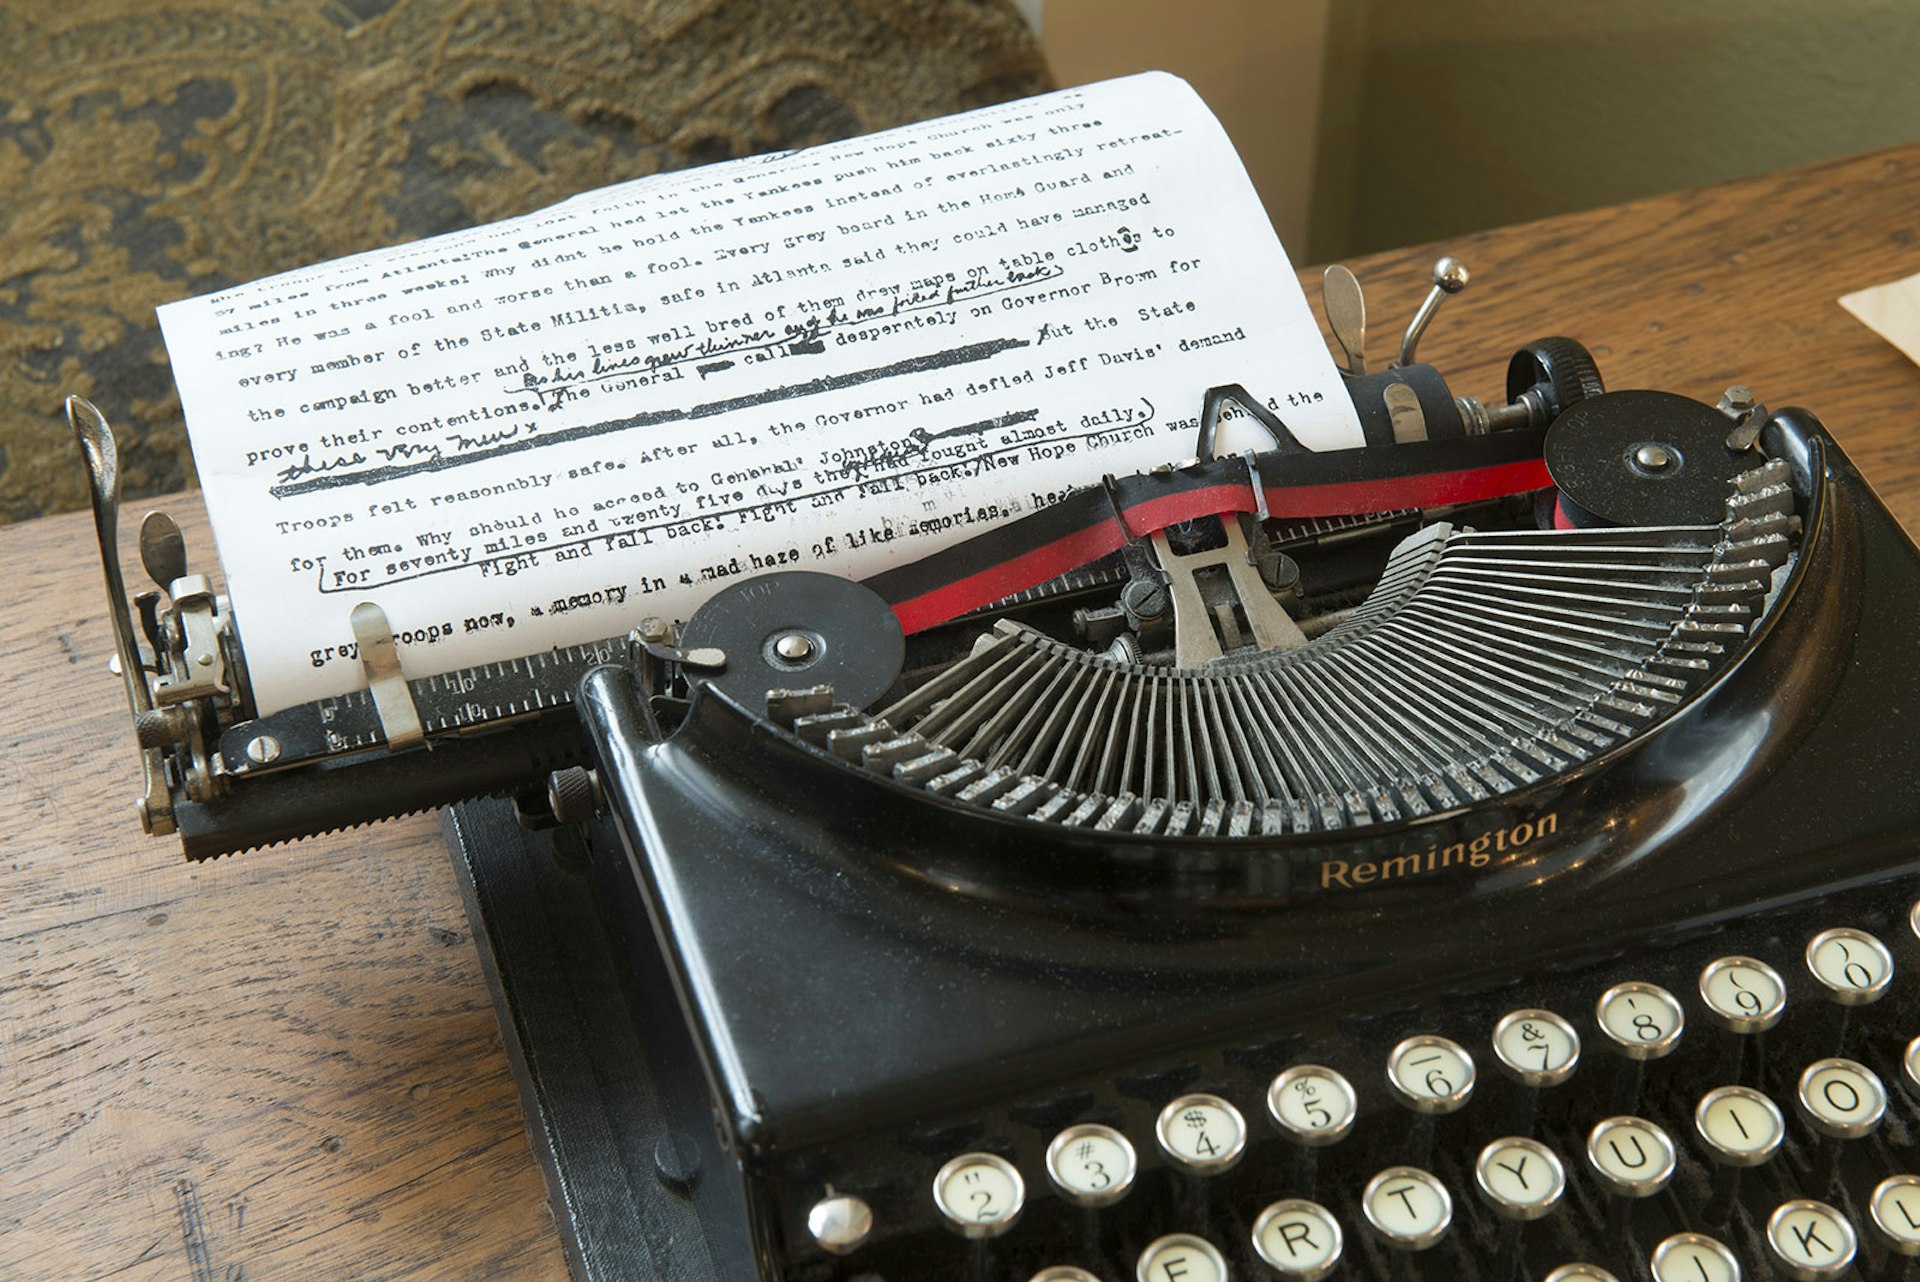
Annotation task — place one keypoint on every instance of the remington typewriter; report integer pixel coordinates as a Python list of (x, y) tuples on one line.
[(1486, 854)]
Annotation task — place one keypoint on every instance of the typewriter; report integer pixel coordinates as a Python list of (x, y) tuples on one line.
[(1488, 854)]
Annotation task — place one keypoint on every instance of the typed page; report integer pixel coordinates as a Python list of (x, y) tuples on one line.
[(534, 433)]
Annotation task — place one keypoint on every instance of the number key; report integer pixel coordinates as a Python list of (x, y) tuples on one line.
[(1431, 1074), (979, 1194), (1091, 1165), (1743, 995), (1312, 1104), (1202, 1133), (1853, 966), (1536, 1047), (1642, 1021)]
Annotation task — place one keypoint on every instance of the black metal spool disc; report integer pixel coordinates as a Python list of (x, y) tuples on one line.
[(841, 634), (1643, 458)]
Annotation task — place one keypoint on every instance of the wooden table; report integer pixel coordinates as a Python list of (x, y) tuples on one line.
[(286, 1065)]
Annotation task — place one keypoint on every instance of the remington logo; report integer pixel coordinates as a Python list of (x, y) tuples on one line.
[(1477, 853)]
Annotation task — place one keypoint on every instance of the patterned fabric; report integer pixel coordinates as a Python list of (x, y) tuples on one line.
[(155, 149)]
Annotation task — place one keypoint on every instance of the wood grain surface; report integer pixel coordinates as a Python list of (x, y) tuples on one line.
[(286, 1066)]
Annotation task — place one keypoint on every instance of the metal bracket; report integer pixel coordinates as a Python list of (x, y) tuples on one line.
[(1215, 404), (203, 668), (1196, 642)]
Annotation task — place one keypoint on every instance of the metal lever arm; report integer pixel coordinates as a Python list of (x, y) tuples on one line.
[(103, 476)]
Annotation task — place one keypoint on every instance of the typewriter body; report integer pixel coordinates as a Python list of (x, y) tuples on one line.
[(1368, 873)]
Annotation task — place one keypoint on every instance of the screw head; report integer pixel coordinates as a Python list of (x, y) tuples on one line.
[(263, 750), (1653, 457), (794, 647), (676, 1161)]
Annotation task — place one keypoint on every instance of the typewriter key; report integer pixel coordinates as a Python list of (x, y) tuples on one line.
[(1063, 1273), (1313, 1105), (840, 1222), (1853, 966), (1812, 1241), (1642, 1021), (1913, 919), (1299, 1239), (980, 1194), (1407, 1207), (1841, 1098), (1743, 995), (1536, 1047), (1578, 1272), (1911, 1062), (1633, 1157), (1091, 1165), (1181, 1257), (1895, 1208), (1740, 1127), (1430, 1074), (1521, 1179), (1203, 1134), (1694, 1257)]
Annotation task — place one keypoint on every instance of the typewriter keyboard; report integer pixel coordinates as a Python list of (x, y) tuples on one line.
[(1705, 1112)]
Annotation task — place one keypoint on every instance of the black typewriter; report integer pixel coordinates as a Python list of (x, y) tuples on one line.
[(1490, 854)]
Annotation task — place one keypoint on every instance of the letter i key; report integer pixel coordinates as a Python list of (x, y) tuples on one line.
[(1740, 1127)]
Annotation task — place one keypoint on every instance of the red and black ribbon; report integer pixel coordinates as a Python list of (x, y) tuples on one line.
[(1087, 524)]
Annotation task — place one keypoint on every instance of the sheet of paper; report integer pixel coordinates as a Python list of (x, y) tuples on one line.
[(537, 432), (1891, 311)]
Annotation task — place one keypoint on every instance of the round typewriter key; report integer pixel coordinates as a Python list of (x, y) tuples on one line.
[(1911, 1062), (1853, 966), (1842, 1098), (1430, 1074), (1913, 919), (1063, 1273), (1743, 995), (1895, 1208), (1407, 1207), (1202, 1133), (1642, 1021), (1631, 1155), (840, 1222), (1091, 1165), (1522, 1179), (1299, 1239), (1578, 1272), (1812, 1241), (980, 1194), (1740, 1127), (1536, 1047), (1181, 1257), (1694, 1257), (1313, 1104)]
